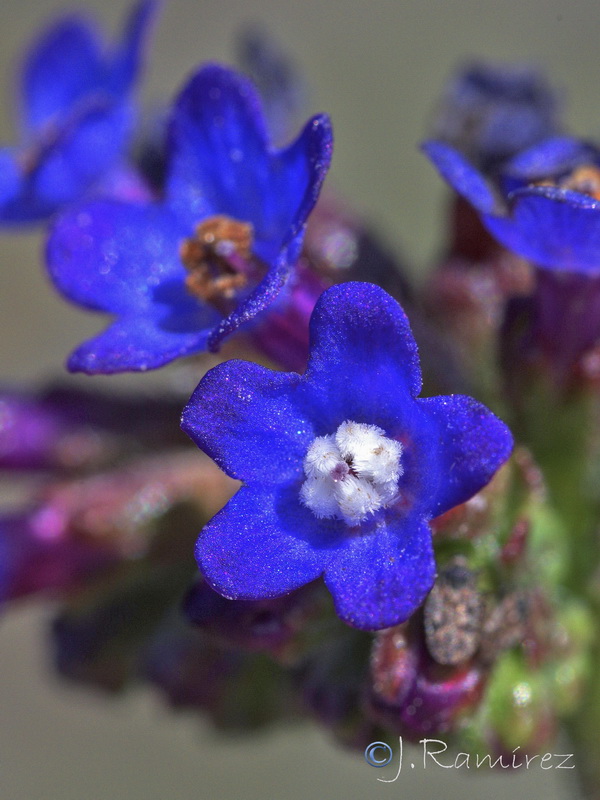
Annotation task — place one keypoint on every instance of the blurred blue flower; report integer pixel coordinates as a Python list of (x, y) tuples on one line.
[(343, 467), (545, 206), (76, 113), (492, 111), (183, 273), (282, 87)]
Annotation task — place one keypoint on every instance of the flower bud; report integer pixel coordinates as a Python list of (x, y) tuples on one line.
[(280, 626), (411, 693)]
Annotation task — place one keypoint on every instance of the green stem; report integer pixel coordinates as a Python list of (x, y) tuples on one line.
[(559, 432), (584, 730)]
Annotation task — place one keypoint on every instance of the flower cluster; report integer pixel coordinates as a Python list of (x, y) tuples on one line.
[(371, 547)]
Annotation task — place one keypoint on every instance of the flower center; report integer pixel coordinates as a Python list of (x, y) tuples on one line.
[(220, 261), (584, 179), (352, 473)]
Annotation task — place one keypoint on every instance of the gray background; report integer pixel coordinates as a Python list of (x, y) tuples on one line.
[(376, 67)]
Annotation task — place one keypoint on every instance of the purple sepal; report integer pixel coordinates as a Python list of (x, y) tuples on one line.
[(29, 432), (557, 330), (64, 429)]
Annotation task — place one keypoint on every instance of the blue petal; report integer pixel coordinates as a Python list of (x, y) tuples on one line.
[(222, 163), (381, 578), (141, 342), (114, 256), (218, 140), (66, 65), (61, 67), (76, 113), (86, 149), (551, 158), (264, 543), (297, 175), (509, 130), (495, 110), (364, 363), (294, 183), (247, 418), (262, 296), (461, 175), (553, 228), (472, 444), (127, 62), (82, 153), (10, 177)]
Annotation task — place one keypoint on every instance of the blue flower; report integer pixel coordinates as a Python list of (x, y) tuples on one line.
[(76, 115), (182, 273), (281, 85), (492, 111), (343, 467), (546, 205)]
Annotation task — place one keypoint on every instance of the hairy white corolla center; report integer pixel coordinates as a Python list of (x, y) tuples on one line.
[(352, 473)]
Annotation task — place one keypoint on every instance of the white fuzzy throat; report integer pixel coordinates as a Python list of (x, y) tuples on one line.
[(352, 473)]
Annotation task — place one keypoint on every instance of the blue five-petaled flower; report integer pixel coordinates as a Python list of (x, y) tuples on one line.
[(343, 467), (545, 205), (76, 115), (186, 271)]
